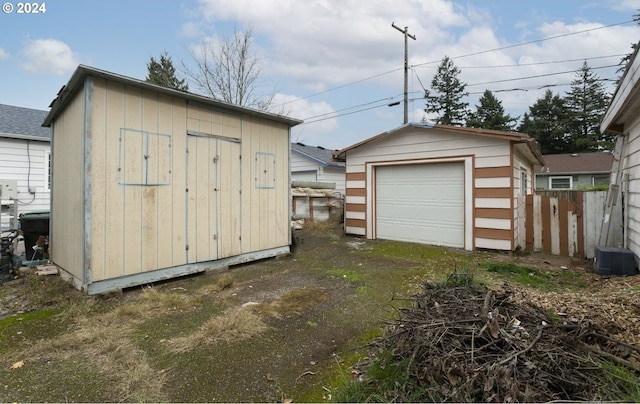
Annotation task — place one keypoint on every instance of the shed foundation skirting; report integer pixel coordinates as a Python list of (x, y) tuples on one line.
[(117, 284)]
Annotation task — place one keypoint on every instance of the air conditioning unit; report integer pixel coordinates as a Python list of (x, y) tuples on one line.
[(614, 261), (8, 189)]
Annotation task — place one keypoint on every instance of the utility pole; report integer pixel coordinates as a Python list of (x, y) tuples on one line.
[(406, 33)]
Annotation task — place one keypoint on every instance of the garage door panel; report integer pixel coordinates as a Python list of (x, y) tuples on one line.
[(421, 203)]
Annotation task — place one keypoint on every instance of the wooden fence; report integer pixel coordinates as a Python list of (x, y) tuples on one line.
[(565, 222)]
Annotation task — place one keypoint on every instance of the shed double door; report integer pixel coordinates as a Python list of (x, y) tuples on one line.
[(213, 198)]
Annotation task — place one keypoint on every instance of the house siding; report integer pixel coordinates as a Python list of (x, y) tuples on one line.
[(631, 187), (26, 162), (305, 169)]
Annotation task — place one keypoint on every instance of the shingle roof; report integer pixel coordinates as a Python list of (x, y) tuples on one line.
[(317, 153), (20, 122), (599, 162)]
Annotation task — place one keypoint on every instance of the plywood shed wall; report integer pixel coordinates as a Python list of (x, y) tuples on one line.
[(150, 183)]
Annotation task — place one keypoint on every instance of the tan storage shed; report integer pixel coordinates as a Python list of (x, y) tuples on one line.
[(151, 183), (441, 185)]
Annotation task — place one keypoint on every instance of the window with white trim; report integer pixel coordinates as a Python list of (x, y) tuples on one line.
[(561, 182)]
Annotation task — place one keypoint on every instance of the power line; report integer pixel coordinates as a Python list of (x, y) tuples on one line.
[(335, 114), (537, 76), (457, 57), (530, 42), (542, 63)]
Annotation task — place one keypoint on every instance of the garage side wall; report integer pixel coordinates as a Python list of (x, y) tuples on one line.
[(522, 186), (491, 220)]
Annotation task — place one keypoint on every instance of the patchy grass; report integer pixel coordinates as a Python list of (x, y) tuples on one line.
[(352, 276), (235, 324), (292, 303), (546, 280), (189, 340)]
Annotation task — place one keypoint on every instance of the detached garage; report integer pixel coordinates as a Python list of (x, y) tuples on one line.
[(441, 185)]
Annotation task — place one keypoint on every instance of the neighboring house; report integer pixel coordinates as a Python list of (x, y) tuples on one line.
[(573, 171), (441, 185), (315, 163), (24, 158), (151, 183), (623, 117)]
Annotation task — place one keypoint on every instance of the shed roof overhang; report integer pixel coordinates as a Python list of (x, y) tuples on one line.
[(82, 72)]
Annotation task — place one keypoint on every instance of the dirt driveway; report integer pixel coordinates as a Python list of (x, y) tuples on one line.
[(279, 329)]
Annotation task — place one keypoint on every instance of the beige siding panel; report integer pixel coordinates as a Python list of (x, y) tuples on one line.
[(494, 161), (356, 184), (99, 180), (360, 200), (67, 218), (265, 172), (503, 203), (178, 182), (355, 215), (229, 198), (149, 208), (113, 237), (503, 224), (164, 211), (132, 170), (504, 182), (358, 231), (493, 244)]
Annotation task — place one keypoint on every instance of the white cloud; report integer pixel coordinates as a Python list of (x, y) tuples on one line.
[(3, 54), (48, 56), (345, 52)]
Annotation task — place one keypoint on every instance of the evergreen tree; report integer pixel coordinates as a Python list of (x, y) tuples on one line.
[(587, 103), (546, 121), (445, 97), (490, 114), (163, 73)]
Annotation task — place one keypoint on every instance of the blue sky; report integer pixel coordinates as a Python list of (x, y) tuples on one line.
[(336, 64)]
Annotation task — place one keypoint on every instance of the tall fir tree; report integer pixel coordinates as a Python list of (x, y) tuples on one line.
[(445, 97), (546, 121), (163, 73), (490, 114), (587, 103)]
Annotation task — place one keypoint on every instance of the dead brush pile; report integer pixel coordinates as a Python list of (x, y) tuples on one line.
[(472, 344)]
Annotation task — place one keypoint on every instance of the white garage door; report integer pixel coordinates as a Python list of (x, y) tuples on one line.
[(422, 203)]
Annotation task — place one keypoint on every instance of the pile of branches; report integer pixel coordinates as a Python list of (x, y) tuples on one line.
[(473, 344)]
